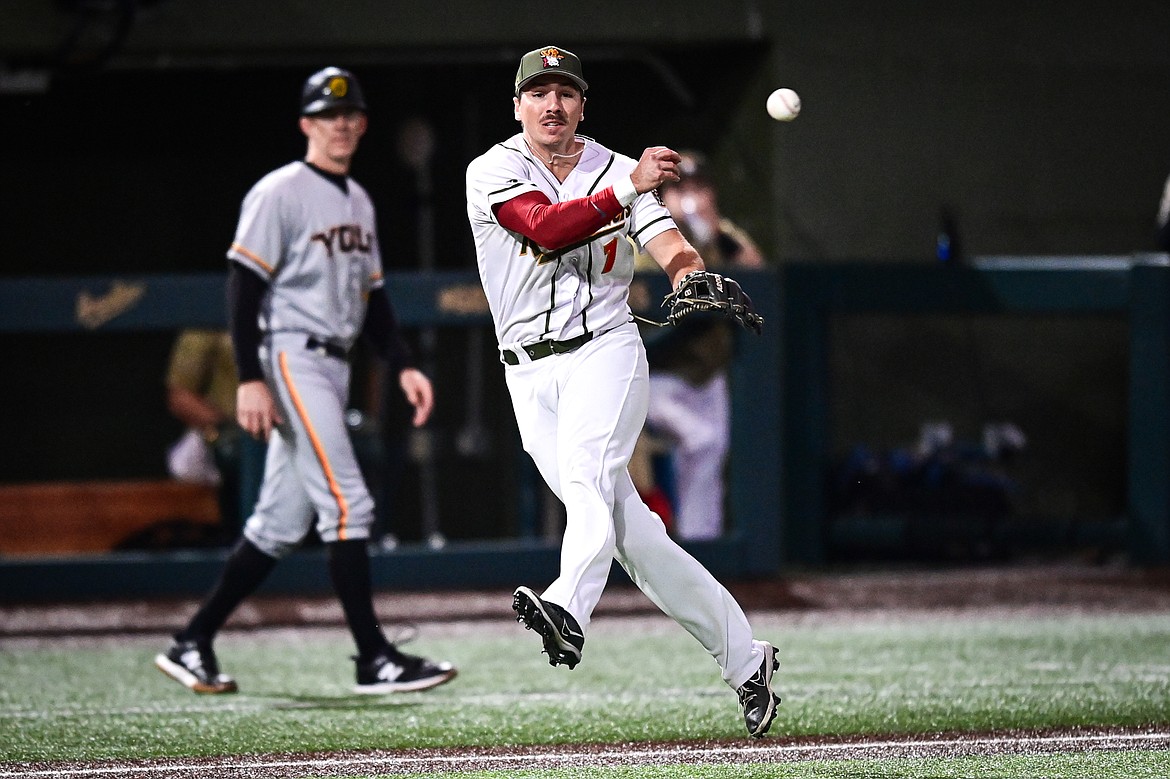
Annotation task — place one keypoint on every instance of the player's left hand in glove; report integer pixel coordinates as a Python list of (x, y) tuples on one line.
[(703, 291)]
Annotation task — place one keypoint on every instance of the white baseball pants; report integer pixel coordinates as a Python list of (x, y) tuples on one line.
[(579, 415)]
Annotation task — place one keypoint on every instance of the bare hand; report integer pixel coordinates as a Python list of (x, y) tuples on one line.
[(419, 393), (256, 410), (658, 164)]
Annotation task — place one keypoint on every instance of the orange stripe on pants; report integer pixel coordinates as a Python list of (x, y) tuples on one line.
[(342, 506)]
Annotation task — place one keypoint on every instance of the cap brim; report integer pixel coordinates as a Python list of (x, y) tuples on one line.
[(324, 104), (580, 82)]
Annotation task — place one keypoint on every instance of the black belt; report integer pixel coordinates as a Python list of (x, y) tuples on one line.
[(324, 347), (542, 349)]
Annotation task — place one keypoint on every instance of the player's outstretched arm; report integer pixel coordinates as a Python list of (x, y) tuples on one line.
[(554, 225), (656, 166), (675, 255)]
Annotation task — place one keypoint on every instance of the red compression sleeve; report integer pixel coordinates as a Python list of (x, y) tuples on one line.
[(553, 225)]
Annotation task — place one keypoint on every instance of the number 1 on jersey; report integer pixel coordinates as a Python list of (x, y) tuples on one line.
[(610, 249)]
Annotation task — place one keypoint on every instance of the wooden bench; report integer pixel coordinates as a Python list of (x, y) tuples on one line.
[(98, 516)]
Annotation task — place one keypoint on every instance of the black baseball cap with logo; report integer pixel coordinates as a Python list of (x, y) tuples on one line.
[(331, 88), (546, 60)]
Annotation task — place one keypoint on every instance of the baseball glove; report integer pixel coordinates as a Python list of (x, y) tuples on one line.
[(704, 291)]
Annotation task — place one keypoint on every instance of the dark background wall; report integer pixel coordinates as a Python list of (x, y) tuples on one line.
[(129, 132), (1039, 123)]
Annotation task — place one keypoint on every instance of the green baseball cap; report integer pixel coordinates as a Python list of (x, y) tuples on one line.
[(550, 59)]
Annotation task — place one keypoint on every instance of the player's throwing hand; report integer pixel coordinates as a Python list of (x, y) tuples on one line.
[(656, 165)]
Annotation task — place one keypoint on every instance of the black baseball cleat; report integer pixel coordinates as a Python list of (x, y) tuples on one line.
[(756, 696), (193, 665), (561, 634), (394, 671)]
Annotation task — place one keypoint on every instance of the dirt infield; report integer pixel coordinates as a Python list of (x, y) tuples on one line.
[(1063, 586), (766, 751)]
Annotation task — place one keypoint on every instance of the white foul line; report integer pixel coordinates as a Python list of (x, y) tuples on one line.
[(602, 757)]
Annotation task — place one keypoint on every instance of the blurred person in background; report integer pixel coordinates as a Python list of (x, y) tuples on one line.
[(693, 201), (304, 283), (688, 425), (201, 393)]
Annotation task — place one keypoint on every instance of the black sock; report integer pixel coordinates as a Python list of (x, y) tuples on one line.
[(246, 568), (349, 568)]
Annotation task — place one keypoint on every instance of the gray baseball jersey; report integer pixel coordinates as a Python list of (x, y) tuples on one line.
[(316, 244), (317, 247)]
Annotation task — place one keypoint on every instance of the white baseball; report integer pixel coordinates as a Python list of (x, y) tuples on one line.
[(783, 105)]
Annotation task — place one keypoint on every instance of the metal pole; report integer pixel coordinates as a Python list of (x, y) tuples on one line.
[(416, 145)]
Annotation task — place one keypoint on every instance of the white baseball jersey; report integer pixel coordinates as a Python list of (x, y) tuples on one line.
[(316, 246), (579, 412), (536, 294)]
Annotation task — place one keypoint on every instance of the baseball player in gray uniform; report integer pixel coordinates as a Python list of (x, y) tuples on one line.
[(305, 282), (553, 214)]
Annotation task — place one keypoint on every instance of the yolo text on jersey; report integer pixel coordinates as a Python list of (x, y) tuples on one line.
[(348, 238)]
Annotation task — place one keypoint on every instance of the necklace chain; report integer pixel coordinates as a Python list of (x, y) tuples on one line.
[(552, 160)]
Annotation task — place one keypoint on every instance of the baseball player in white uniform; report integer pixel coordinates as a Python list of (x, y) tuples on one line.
[(305, 281), (553, 214)]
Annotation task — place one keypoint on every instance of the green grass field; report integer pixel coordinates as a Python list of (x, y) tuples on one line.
[(641, 680)]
